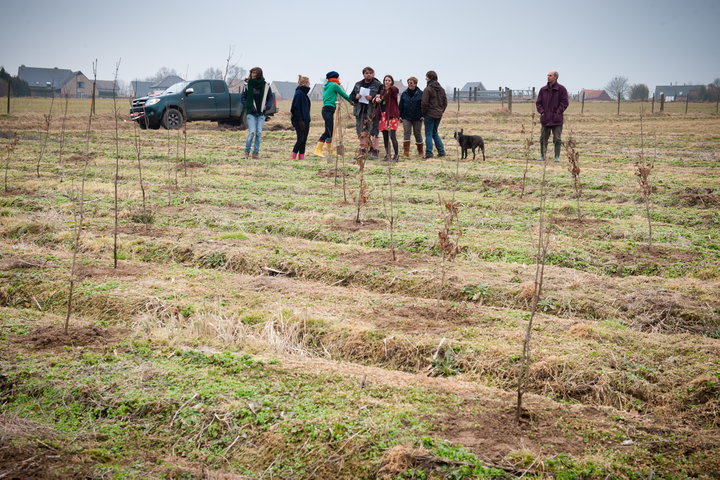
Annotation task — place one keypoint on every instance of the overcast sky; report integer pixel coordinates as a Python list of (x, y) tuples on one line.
[(512, 43)]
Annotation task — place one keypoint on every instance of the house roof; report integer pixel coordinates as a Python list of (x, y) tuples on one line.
[(166, 82), (41, 77), (596, 95), (470, 85), (675, 90), (141, 89), (108, 85), (317, 91), (285, 90)]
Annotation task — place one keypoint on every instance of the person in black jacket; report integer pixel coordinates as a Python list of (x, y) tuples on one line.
[(366, 123), (300, 116), (411, 116)]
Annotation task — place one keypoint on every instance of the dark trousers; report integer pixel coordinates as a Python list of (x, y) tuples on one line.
[(302, 130), (545, 132), (328, 115)]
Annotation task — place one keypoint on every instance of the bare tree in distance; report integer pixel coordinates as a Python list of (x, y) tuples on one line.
[(618, 89), (233, 71), (162, 73), (212, 73), (639, 91)]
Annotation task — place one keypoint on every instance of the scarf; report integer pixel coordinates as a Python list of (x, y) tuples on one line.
[(334, 80), (253, 85)]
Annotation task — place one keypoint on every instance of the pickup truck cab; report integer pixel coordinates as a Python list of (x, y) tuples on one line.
[(188, 102)]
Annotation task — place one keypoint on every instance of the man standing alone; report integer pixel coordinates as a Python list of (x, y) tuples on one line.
[(551, 103)]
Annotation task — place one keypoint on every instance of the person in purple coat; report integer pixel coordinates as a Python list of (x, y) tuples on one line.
[(551, 103)]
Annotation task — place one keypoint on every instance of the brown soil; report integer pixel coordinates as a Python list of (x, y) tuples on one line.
[(143, 230), (583, 224), (189, 165), (494, 434), (656, 254), (353, 226), (54, 336), (124, 270), (512, 184), (383, 258), (419, 318)]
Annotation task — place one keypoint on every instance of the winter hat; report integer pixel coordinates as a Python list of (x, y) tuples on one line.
[(332, 74)]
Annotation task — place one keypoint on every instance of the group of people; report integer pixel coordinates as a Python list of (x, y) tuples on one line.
[(378, 107)]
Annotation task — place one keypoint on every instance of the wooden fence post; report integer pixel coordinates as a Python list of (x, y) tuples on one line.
[(9, 85), (687, 100), (582, 103), (509, 92), (662, 102), (653, 104), (533, 93), (502, 98), (455, 93)]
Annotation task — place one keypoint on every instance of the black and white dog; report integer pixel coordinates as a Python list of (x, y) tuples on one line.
[(470, 142)]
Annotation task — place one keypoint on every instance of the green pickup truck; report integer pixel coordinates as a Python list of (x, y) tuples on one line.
[(189, 102)]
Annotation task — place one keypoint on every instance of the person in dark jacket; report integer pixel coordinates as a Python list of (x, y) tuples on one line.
[(551, 103), (257, 98), (366, 123), (300, 116), (411, 116), (434, 103)]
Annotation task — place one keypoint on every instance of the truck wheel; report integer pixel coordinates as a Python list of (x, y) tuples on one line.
[(172, 119), (141, 124)]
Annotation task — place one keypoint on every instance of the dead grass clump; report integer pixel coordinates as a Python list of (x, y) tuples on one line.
[(527, 290), (17, 228), (663, 311), (703, 389), (400, 458), (583, 330), (700, 197)]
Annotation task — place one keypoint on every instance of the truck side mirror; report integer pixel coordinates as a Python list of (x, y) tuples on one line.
[(190, 90)]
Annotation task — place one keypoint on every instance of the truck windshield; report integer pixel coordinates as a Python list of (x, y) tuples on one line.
[(178, 87)]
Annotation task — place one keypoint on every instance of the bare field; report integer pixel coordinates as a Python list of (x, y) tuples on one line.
[(253, 329)]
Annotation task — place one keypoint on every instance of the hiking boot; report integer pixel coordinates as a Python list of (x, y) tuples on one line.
[(256, 156)]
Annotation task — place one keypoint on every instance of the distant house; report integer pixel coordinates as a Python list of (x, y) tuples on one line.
[(57, 81), (105, 88), (596, 95), (316, 92), (284, 90), (475, 91), (472, 85), (140, 89), (163, 84), (400, 86), (675, 92)]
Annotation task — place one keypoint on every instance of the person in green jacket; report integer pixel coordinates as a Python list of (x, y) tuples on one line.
[(331, 90)]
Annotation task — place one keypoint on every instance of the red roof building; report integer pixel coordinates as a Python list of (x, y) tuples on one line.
[(596, 95)]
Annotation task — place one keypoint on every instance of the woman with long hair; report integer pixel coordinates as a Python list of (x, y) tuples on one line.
[(389, 113)]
